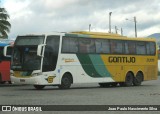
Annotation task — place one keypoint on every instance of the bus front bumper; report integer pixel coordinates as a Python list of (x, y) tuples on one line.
[(37, 80)]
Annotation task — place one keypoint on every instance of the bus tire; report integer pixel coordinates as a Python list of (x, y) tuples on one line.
[(66, 81), (39, 87), (129, 79), (9, 82), (138, 79)]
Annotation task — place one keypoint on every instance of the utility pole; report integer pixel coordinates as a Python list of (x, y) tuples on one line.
[(116, 29), (135, 22), (110, 22), (89, 27), (121, 31), (135, 25)]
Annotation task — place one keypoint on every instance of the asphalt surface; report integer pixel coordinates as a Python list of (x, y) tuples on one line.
[(82, 94)]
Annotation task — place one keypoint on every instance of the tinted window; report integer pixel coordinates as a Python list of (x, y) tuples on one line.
[(140, 48), (25, 58), (51, 53), (102, 46), (86, 46), (116, 46), (70, 45), (29, 40), (9, 52), (130, 47), (151, 48)]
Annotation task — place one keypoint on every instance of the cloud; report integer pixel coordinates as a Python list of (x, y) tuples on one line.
[(31, 16)]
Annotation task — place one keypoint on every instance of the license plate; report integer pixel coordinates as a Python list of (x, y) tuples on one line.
[(22, 80)]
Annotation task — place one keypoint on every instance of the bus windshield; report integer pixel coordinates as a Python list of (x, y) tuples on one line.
[(2, 57), (25, 53)]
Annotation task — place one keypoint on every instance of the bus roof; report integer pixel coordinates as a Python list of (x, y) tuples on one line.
[(95, 35), (4, 42), (105, 35)]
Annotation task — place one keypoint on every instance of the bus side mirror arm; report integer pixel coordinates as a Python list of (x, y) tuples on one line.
[(39, 49), (5, 51)]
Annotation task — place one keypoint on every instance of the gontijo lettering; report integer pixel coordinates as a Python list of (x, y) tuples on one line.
[(113, 59)]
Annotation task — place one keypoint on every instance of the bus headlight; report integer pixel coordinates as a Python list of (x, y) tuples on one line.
[(36, 74), (11, 73)]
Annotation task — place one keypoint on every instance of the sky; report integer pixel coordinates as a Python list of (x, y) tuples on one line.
[(41, 16)]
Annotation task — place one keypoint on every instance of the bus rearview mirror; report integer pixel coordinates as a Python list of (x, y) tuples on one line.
[(39, 49), (6, 52)]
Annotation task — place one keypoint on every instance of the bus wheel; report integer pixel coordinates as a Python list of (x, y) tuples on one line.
[(138, 79), (39, 87), (66, 81), (2, 82), (9, 82), (129, 79)]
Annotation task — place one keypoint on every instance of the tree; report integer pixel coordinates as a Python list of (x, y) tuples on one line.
[(4, 23)]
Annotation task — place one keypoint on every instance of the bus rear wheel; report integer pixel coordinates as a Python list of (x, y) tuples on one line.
[(138, 79), (9, 82), (2, 82), (66, 81), (39, 87), (129, 79)]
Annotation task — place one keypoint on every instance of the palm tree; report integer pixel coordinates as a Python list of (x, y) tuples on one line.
[(4, 24)]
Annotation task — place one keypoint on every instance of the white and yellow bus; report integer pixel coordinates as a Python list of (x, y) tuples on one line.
[(63, 59)]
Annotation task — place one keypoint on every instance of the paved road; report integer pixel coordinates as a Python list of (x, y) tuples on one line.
[(82, 94)]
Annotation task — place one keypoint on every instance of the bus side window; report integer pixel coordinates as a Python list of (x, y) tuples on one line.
[(82, 46), (126, 48), (102, 46), (141, 48), (130, 47), (73, 45), (87, 46), (113, 45), (70, 45), (98, 44), (148, 48), (152, 48), (66, 45), (116, 46)]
